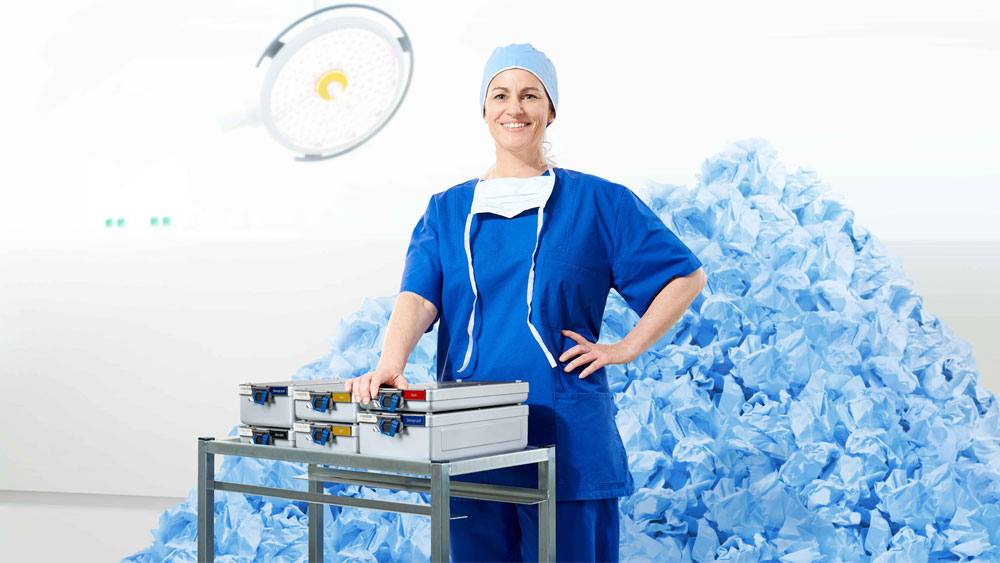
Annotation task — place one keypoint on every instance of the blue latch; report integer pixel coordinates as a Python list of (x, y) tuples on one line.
[(261, 438), (394, 401), (320, 403), (394, 426), (323, 433), (260, 395)]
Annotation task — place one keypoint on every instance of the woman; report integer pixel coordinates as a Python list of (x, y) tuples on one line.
[(517, 266)]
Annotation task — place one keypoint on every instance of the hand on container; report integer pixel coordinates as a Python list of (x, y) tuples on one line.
[(365, 387), (597, 355)]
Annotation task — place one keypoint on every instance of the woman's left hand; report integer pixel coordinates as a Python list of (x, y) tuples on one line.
[(599, 355)]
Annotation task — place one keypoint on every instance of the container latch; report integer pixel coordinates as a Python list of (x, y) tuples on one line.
[(260, 395), (262, 437), (321, 403), (389, 425), (321, 435), (390, 399)]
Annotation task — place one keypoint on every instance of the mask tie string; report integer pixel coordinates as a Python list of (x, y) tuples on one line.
[(475, 291), (531, 287)]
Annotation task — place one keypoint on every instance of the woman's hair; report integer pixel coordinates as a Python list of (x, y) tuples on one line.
[(546, 144)]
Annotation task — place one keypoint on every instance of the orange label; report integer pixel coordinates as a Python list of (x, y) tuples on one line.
[(340, 430)]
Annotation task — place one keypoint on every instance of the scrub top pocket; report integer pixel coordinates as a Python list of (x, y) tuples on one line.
[(567, 296), (589, 450)]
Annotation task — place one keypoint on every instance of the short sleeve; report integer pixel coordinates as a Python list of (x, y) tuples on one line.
[(647, 254), (422, 271)]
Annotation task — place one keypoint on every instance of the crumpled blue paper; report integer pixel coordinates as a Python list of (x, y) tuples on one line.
[(805, 408)]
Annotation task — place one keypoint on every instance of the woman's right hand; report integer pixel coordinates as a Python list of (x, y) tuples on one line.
[(364, 387)]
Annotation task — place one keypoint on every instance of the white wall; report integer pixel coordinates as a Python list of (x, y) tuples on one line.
[(120, 346)]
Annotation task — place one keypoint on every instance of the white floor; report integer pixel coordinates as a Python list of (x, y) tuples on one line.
[(78, 528)]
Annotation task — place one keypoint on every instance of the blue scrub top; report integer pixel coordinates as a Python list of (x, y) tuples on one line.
[(597, 235)]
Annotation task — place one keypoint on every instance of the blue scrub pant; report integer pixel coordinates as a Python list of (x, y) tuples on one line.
[(586, 530)]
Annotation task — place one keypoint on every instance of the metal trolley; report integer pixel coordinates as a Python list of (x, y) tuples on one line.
[(381, 472)]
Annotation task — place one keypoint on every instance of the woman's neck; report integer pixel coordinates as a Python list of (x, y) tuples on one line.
[(511, 165)]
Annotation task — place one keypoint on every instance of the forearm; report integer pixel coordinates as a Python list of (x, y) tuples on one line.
[(411, 315), (663, 313)]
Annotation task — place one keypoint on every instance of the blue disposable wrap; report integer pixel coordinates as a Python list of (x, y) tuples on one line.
[(805, 407)]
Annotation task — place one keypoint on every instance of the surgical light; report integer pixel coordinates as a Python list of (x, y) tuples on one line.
[(334, 84)]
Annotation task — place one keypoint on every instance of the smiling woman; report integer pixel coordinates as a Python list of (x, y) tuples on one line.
[(518, 265), (517, 111)]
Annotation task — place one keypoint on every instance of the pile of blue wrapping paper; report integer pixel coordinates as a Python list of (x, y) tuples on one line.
[(805, 408)]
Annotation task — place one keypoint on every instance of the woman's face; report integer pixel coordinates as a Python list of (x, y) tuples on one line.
[(517, 109)]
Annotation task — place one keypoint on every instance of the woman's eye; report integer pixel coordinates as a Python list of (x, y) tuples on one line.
[(501, 96)]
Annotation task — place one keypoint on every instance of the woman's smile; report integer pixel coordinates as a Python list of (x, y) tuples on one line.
[(515, 126)]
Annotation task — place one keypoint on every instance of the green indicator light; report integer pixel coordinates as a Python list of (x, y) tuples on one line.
[(166, 221), (121, 222), (109, 223), (154, 221)]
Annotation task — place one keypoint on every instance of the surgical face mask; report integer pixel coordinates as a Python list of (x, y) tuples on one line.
[(508, 197)]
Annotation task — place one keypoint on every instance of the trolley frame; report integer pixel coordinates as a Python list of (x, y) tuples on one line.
[(432, 477)]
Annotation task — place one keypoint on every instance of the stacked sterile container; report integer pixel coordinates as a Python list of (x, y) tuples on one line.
[(326, 418), (445, 421), (427, 421), (311, 414)]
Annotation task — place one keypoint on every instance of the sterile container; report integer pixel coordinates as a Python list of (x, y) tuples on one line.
[(443, 436), (448, 396), (341, 438), (271, 404), (327, 402), (265, 436)]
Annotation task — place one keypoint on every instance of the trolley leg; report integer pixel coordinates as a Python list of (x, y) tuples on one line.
[(206, 502), (315, 522), (547, 509), (440, 511)]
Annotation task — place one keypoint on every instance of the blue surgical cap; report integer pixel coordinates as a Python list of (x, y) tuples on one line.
[(524, 56)]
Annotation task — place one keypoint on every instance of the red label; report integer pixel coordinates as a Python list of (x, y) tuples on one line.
[(415, 395)]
